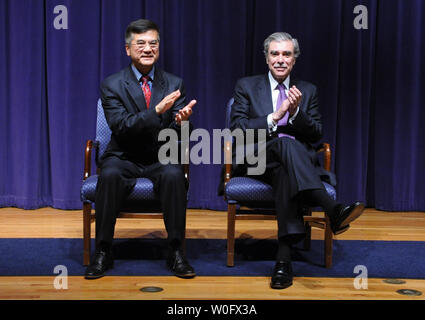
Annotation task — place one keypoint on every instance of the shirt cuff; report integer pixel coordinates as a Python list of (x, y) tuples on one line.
[(294, 116), (271, 124)]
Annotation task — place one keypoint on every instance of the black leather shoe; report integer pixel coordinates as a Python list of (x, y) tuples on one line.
[(282, 275), (101, 262), (344, 215), (341, 230), (178, 264)]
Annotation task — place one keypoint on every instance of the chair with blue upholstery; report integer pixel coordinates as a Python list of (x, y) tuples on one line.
[(142, 202), (251, 199)]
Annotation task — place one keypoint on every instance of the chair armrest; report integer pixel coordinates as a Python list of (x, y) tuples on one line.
[(186, 165), (327, 154), (87, 159), (323, 147), (227, 161), (90, 144)]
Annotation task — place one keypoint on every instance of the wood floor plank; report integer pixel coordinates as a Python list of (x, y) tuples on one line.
[(53, 223), (202, 288)]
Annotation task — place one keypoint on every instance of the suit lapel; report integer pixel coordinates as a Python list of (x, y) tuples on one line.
[(264, 94), (134, 89), (158, 87)]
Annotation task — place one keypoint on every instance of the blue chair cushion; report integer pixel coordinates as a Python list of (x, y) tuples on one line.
[(142, 191), (246, 190)]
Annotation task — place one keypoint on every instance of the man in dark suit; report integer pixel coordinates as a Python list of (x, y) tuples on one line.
[(288, 110), (139, 101)]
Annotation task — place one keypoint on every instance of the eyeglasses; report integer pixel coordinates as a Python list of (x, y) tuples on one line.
[(141, 44)]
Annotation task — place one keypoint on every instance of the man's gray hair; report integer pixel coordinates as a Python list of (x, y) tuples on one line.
[(281, 36)]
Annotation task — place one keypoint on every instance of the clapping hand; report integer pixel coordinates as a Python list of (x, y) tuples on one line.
[(294, 97), (290, 104), (184, 113), (167, 102)]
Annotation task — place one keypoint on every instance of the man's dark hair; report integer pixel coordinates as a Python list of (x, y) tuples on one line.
[(139, 26)]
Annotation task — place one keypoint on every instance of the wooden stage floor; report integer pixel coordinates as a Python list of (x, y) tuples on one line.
[(51, 223)]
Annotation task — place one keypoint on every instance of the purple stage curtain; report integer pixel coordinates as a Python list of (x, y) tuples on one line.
[(370, 83)]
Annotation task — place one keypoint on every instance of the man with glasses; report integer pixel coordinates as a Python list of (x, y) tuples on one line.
[(139, 101), (288, 110)]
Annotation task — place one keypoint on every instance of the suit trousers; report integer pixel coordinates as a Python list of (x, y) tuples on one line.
[(116, 180), (290, 169)]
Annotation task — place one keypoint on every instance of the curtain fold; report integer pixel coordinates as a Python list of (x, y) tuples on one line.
[(370, 84)]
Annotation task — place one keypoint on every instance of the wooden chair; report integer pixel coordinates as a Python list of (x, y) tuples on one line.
[(251, 199), (142, 203)]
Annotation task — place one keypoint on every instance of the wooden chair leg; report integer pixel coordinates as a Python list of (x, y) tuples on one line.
[(86, 233), (328, 243), (307, 239), (306, 211), (231, 217)]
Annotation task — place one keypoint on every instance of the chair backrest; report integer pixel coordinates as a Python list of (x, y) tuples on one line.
[(103, 133), (228, 110)]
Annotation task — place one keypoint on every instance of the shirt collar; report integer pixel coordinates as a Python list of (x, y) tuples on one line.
[(138, 74), (274, 83)]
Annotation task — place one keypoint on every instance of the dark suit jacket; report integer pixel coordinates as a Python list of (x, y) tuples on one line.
[(135, 128), (253, 103)]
